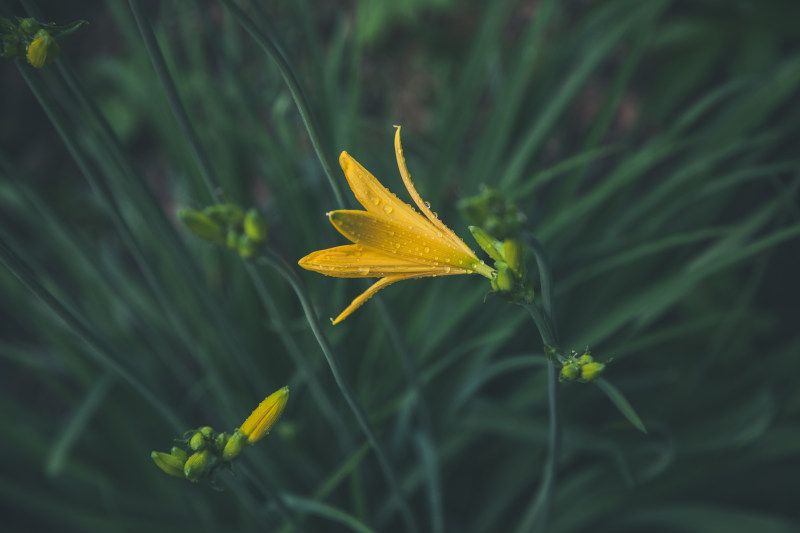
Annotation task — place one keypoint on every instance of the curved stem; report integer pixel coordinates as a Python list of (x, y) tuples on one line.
[(278, 264)]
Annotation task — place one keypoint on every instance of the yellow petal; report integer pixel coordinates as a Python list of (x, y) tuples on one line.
[(357, 261), (371, 194), (406, 242), (375, 287), (401, 164)]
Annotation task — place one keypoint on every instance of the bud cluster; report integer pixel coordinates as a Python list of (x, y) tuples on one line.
[(32, 39), (203, 450), (581, 367), (227, 225)]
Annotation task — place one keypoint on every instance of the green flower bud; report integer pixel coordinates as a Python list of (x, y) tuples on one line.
[(585, 358), (42, 50), (168, 463), (207, 432), (234, 446), (180, 454), (225, 214), (592, 371), (247, 247), (196, 465), (29, 26), (255, 226), (221, 441), (201, 225), (504, 279), (570, 372), (197, 442), (514, 252)]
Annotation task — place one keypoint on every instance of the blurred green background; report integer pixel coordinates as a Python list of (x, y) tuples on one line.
[(652, 145)]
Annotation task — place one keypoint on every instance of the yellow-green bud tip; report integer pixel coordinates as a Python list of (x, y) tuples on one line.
[(42, 50), (592, 371), (197, 442), (202, 225), (264, 416)]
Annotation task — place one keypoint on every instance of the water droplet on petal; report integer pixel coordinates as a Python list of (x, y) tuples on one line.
[(363, 270), (427, 250), (388, 209), (391, 233), (428, 205), (375, 200), (446, 270)]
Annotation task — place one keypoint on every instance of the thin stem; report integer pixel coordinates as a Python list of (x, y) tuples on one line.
[(278, 264), (537, 517), (271, 47)]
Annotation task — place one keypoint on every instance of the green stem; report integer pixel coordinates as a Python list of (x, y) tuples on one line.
[(537, 516), (274, 261), (270, 46)]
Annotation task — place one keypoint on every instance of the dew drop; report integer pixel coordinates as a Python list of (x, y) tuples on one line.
[(427, 250), (397, 245), (363, 270), (388, 209), (375, 200), (428, 205), (391, 233), (446, 270)]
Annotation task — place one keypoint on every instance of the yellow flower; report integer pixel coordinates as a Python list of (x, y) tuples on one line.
[(264, 416), (392, 241), (42, 50)]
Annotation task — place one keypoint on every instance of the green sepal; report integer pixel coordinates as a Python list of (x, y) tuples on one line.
[(488, 243)]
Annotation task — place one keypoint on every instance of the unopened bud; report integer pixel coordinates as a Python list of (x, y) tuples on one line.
[(196, 465), (514, 253), (585, 358), (42, 50), (247, 247), (592, 371), (486, 242), (504, 279), (179, 453), (570, 372), (233, 447), (201, 225), (197, 442), (168, 463), (255, 226), (265, 415)]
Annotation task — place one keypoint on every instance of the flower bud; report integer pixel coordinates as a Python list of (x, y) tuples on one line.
[(585, 358), (29, 26), (42, 50), (207, 432), (504, 279), (592, 371), (514, 253), (255, 226), (233, 447), (196, 465), (221, 441), (179, 453), (570, 372), (264, 416), (225, 214), (201, 225), (168, 463), (197, 442)]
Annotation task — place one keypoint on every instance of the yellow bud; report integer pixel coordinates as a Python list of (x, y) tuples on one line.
[(255, 226), (247, 247), (196, 465), (264, 416), (42, 50), (201, 225), (592, 371), (197, 442), (570, 372), (233, 447), (514, 252), (168, 463)]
